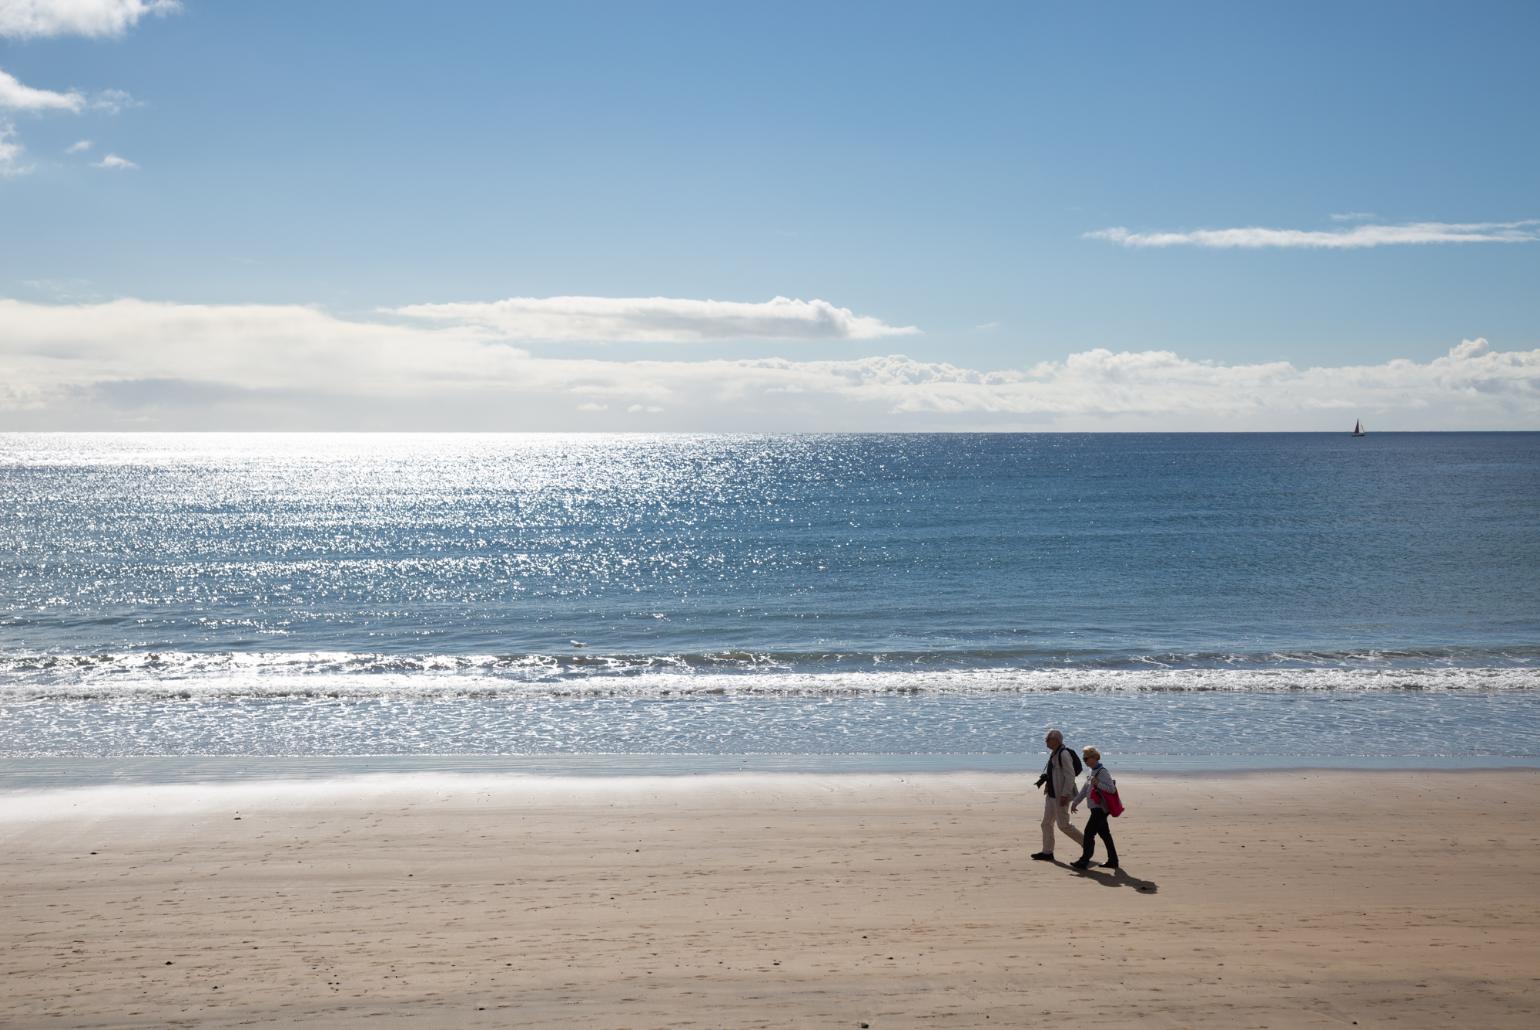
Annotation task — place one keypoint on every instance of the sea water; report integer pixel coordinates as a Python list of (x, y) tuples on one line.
[(939, 599)]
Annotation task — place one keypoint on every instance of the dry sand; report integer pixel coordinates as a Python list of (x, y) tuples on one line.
[(1277, 900)]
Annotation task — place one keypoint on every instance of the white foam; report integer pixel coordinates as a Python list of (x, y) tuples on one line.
[(235, 680)]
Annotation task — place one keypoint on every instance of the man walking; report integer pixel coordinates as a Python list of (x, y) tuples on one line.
[(1058, 783)]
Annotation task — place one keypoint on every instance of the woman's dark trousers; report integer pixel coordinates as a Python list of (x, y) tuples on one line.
[(1095, 827)]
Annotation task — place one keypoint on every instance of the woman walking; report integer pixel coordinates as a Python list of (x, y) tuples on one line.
[(1097, 786)]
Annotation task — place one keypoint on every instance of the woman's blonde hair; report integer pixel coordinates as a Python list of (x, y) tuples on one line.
[(1090, 752)]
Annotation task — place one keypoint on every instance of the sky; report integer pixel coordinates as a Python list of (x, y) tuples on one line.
[(218, 215)]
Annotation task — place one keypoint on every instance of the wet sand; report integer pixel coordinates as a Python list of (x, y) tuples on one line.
[(1267, 899)]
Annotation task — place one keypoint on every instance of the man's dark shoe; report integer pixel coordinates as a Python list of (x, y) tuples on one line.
[(1084, 863), (1109, 865), (1043, 856)]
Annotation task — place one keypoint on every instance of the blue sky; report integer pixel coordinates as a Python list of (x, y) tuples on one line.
[(932, 167)]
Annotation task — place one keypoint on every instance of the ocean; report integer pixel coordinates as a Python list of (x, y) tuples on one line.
[(175, 602)]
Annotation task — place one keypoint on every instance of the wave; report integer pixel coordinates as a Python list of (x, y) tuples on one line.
[(234, 675)]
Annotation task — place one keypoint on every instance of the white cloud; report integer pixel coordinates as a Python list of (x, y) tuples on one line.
[(1353, 216), (187, 366), (658, 319), (24, 19), (112, 101), (54, 347), (113, 161), (10, 152), (17, 97), (1357, 237)]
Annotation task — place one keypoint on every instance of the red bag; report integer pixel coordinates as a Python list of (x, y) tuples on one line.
[(1111, 802)]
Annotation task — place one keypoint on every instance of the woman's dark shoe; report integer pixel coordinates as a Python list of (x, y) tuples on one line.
[(1043, 856), (1084, 863)]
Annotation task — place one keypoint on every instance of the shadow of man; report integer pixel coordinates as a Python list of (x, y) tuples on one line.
[(1119, 878)]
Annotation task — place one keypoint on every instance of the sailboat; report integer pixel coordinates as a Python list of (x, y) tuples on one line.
[(1358, 428)]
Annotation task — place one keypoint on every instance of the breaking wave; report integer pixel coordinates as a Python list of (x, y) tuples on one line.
[(196, 675)]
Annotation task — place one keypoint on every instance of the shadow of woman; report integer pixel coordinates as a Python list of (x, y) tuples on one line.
[(1119, 878)]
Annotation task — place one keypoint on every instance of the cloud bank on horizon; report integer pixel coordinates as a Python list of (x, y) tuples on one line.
[(1355, 238), (128, 364), (658, 319)]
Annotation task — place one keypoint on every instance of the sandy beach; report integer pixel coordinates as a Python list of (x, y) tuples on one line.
[(1258, 900)]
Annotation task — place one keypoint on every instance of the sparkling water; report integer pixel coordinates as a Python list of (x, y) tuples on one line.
[(1285, 595)]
